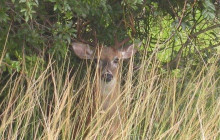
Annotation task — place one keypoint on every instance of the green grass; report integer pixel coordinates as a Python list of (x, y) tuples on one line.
[(48, 104)]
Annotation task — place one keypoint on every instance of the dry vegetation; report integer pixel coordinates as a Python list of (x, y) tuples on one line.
[(48, 104)]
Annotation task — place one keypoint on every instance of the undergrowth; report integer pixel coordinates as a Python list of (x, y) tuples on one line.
[(54, 103)]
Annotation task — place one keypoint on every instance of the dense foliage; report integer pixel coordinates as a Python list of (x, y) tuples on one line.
[(30, 30), (170, 90)]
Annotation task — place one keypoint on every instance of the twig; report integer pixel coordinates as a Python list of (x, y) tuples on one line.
[(192, 36), (211, 47), (6, 40)]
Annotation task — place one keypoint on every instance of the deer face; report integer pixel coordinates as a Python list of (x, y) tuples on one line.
[(107, 58)]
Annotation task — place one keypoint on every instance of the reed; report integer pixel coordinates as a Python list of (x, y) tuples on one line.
[(53, 104)]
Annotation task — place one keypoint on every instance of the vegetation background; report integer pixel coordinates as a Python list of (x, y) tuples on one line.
[(45, 91)]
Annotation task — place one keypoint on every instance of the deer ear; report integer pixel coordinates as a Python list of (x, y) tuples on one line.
[(128, 51), (83, 51)]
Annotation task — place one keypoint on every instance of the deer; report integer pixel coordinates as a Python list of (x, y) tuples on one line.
[(108, 62)]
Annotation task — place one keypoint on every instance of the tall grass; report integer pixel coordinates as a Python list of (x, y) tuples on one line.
[(53, 104)]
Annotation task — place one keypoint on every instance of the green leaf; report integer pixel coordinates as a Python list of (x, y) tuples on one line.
[(22, 1), (176, 72), (23, 10), (26, 18), (55, 7)]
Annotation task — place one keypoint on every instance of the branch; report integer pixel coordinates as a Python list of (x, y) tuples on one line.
[(211, 47), (192, 36), (174, 62), (117, 44), (205, 30), (184, 9)]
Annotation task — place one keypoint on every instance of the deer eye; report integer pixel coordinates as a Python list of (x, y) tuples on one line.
[(116, 60)]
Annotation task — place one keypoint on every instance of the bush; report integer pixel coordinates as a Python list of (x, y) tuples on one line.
[(36, 28)]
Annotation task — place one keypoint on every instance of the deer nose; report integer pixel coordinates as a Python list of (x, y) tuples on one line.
[(107, 77)]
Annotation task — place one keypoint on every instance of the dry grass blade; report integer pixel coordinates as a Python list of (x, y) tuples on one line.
[(157, 105)]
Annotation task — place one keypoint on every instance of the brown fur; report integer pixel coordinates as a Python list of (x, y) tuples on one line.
[(107, 93)]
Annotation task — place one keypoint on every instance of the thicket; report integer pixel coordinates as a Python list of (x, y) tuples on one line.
[(179, 31), (45, 93)]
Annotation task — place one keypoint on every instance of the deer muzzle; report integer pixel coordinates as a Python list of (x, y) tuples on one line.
[(107, 77)]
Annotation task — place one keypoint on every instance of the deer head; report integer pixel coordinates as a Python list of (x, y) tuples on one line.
[(108, 59)]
